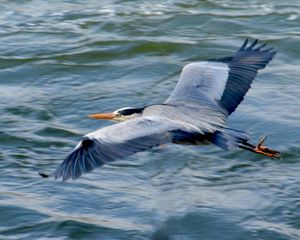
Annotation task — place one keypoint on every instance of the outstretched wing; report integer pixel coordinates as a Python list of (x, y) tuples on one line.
[(225, 80), (115, 142)]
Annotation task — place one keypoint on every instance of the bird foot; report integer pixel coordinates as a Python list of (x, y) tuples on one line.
[(260, 149)]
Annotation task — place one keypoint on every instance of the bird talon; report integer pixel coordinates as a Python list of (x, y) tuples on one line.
[(261, 142), (260, 149)]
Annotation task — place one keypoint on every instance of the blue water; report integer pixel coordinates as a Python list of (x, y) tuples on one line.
[(62, 60)]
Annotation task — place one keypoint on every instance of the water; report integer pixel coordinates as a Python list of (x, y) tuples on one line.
[(62, 60)]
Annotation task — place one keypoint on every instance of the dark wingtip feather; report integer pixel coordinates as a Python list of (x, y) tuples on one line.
[(252, 45), (64, 170), (260, 47), (243, 68), (244, 45), (268, 49), (83, 159)]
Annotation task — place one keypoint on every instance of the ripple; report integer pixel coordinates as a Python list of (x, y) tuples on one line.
[(61, 61), (55, 132)]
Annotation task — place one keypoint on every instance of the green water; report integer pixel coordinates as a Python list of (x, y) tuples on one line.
[(62, 60)]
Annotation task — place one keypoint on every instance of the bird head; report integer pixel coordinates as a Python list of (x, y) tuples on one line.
[(119, 115)]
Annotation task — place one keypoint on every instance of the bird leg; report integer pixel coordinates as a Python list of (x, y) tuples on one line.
[(260, 149)]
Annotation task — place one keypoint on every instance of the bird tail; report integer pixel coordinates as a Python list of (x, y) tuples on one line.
[(229, 139)]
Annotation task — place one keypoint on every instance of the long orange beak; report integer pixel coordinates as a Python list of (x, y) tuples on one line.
[(103, 116)]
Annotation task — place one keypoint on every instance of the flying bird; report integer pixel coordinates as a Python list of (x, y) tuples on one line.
[(195, 113)]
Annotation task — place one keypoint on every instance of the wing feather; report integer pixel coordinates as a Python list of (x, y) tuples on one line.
[(115, 142), (200, 81), (243, 69), (224, 80)]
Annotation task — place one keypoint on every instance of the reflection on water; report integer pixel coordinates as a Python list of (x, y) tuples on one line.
[(63, 60)]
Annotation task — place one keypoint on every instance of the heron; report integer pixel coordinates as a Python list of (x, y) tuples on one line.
[(195, 113)]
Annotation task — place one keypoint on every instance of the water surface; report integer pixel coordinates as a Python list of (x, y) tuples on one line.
[(62, 60)]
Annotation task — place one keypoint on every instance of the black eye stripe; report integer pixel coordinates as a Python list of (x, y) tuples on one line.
[(130, 111)]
